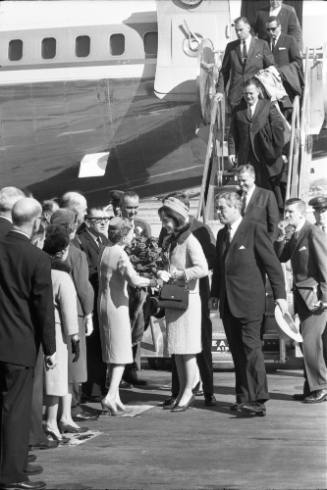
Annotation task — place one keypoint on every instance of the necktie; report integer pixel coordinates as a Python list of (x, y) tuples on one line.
[(249, 112), (228, 237), (99, 241), (244, 199), (273, 44), (243, 52)]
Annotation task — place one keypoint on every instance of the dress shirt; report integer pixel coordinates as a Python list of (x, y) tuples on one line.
[(233, 227), (251, 109), (247, 196)]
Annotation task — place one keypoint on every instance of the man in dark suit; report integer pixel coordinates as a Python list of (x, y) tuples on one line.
[(287, 17), (130, 203), (259, 204), (92, 238), (243, 58), (8, 197), (287, 57), (26, 320), (257, 136), (307, 251), (244, 255), (204, 359)]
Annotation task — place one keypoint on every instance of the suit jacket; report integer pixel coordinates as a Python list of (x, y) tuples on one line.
[(5, 226), (91, 249), (288, 59), (26, 302), (288, 19), (77, 262), (260, 139), (239, 276), (308, 255), (236, 73), (262, 208)]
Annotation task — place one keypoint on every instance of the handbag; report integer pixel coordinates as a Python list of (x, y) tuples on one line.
[(174, 297), (308, 291)]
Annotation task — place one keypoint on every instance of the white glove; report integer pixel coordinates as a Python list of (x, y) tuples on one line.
[(51, 361), (282, 303), (88, 323), (163, 275)]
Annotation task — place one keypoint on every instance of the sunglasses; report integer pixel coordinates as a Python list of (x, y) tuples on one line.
[(99, 219), (272, 29)]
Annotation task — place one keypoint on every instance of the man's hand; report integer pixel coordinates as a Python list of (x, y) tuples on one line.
[(88, 323), (75, 347), (282, 303), (218, 96), (213, 303), (50, 361), (232, 160)]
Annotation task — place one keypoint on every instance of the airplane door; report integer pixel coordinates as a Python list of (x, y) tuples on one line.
[(182, 24)]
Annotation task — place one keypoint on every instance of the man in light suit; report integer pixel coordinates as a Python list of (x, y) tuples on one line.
[(287, 17), (26, 320), (8, 197), (92, 238), (243, 58), (256, 136), (244, 255), (307, 251), (259, 204)]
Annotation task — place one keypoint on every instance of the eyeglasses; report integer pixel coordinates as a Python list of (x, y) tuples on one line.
[(272, 29), (99, 219)]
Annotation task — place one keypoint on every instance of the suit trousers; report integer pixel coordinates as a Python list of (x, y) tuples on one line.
[(204, 358), (96, 369), (16, 386), (37, 434), (312, 329), (244, 339)]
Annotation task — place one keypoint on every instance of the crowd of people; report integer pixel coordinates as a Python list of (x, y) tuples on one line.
[(73, 307)]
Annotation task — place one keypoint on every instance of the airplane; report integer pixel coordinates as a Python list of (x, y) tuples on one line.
[(100, 95)]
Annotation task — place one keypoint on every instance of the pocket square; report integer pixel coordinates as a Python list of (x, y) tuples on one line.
[(242, 247), (302, 249), (281, 49)]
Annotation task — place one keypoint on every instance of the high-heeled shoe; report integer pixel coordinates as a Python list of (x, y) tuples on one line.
[(67, 428), (120, 406), (182, 408), (109, 407), (60, 439)]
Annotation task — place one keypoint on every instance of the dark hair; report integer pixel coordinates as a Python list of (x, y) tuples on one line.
[(116, 233), (273, 18), (299, 203), (252, 81), (178, 220), (243, 19), (129, 194), (56, 240), (246, 168)]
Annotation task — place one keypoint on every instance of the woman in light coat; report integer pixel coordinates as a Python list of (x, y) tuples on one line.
[(115, 272), (187, 264), (66, 321)]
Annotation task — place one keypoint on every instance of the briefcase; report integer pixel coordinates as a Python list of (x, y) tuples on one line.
[(308, 289), (174, 297)]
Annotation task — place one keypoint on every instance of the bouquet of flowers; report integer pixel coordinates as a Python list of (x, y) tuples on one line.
[(146, 256)]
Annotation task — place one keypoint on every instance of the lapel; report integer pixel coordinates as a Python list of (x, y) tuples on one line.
[(252, 200), (91, 241), (235, 238), (238, 52), (300, 237), (251, 49)]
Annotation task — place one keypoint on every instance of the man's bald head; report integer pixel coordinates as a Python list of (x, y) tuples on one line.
[(26, 211), (75, 202)]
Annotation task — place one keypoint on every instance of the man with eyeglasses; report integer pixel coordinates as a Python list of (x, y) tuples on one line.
[(287, 17), (92, 238), (287, 57)]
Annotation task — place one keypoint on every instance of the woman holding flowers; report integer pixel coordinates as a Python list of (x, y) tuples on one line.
[(115, 273), (187, 264)]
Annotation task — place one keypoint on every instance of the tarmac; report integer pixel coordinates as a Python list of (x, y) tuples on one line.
[(202, 448)]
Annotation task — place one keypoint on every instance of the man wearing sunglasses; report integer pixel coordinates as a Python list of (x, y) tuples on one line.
[(287, 57), (92, 238), (287, 17)]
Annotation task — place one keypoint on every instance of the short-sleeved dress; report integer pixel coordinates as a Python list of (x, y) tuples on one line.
[(113, 304), (66, 322), (184, 327)]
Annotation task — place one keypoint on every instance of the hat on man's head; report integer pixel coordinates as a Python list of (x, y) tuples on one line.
[(64, 217), (319, 203), (116, 195), (176, 209)]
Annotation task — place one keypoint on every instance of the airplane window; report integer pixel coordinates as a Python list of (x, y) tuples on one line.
[(117, 44), (82, 47), (15, 51), (151, 44), (49, 48)]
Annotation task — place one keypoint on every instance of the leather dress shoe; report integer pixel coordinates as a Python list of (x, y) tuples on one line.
[(84, 416), (31, 458), (135, 381), (33, 469), (210, 400), (316, 396), (24, 485), (182, 408), (197, 390), (254, 409), (299, 397), (169, 403), (70, 429), (48, 444), (236, 407)]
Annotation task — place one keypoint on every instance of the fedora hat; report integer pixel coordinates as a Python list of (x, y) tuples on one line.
[(287, 325)]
